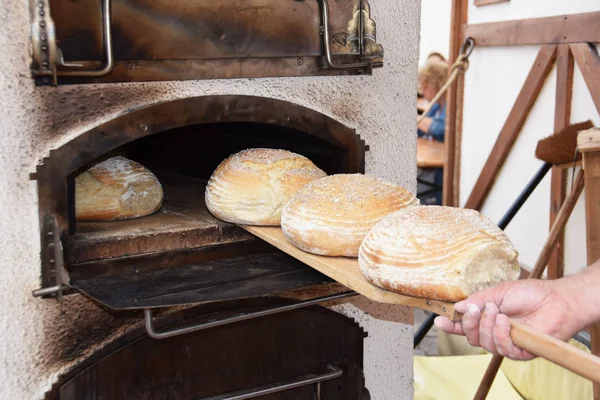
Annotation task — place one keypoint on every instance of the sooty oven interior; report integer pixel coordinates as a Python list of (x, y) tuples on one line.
[(182, 255), (225, 315)]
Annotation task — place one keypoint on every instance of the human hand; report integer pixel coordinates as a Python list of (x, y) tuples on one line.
[(543, 305)]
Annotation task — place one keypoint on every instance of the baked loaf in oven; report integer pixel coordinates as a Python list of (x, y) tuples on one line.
[(331, 216), (437, 252), (116, 189), (252, 186)]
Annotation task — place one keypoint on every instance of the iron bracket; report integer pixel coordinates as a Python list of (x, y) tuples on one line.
[(148, 317), (56, 258), (370, 51)]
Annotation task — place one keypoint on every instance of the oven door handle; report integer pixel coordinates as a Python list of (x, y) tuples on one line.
[(150, 329), (327, 43), (108, 66), (332, 373)]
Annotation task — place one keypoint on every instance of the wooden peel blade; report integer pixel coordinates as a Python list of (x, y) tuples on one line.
[(347, 272)]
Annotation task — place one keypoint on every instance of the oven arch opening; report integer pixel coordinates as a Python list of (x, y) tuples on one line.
[(186, 137)]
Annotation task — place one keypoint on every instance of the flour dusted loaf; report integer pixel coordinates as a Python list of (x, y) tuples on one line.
[(116, 189), (331, 216), (252, 186), (437, 252)]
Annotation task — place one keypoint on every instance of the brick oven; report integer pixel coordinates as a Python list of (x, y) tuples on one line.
[(179, 304)]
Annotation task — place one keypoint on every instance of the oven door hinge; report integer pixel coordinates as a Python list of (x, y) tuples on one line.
[(361, 38), (48, 60), (56, 260)]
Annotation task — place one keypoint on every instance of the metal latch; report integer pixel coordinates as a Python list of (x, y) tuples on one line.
[(47, 56), (56, 258), (364, 40)]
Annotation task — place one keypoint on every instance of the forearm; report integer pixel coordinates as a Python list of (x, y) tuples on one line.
[(582, 290), (424, 124)]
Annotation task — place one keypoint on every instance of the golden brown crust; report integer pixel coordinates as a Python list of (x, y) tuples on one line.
[(424, 290), (441, 253), (331, 216), (252, 186), (116, 189)]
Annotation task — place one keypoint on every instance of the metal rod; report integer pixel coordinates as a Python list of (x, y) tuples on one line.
[(325, 25), (106, 21), (423, 329), (333, 372), (241, 317), (48, 291), (516, 206)]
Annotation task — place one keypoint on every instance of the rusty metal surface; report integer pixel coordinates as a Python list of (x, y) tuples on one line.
[(207, 39), (75, 155), (178, 70), (230, 278)]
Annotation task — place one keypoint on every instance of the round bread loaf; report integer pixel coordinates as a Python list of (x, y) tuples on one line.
[(436, 252), (331, 216), (116, 189), (252, 186)]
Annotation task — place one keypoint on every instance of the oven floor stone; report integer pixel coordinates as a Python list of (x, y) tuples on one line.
[(429, 344)]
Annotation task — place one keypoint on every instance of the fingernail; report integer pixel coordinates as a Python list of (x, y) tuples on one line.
[(489, 307), (472, 309)]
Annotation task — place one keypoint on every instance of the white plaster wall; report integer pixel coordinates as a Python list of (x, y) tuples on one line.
[(435, 28), (492, 84), (34, 120)]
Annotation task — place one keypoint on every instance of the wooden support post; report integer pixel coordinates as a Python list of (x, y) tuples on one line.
[(589, 145), (454, 106), (512, 127), (588, 62), (562, 118), (573, 28)]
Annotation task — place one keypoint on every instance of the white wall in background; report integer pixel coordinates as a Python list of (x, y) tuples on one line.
[(492, 84), (435, 28)]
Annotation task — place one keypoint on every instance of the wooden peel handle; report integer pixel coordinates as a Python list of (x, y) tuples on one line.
[(552, 349), (560, 353)]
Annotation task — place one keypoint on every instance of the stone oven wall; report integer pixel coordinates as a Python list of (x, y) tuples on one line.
[(40, 338)]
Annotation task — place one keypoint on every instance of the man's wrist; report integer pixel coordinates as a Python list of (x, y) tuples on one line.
[(582, 292)]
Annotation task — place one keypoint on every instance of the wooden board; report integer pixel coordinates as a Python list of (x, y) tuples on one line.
[(574, 28), (183, 222), (480, 3), (430, 154), (562, 118), (454, 109), (346, 271)]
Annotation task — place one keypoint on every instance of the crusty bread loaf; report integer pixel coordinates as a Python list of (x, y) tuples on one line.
[(437, 252), (331, 216), (116, 189), (252, 186)]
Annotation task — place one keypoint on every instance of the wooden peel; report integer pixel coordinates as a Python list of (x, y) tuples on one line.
[(346, 271)]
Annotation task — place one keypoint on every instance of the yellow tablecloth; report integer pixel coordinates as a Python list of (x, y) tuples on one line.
[(457, 377)]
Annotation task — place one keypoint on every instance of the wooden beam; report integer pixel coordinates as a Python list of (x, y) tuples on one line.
[(572, 28), (454, 107), (529, 93), (480, 3), (588, 62), (562, 118), (589, 145)]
